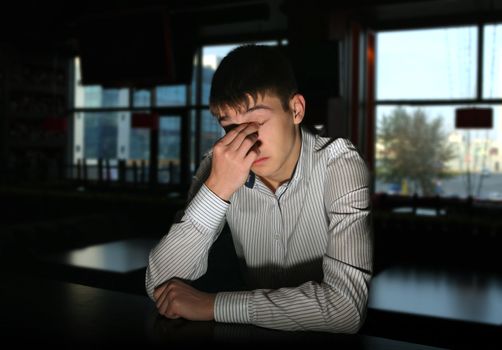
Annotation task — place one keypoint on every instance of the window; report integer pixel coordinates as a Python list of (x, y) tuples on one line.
[(112, 126), (422, 77)]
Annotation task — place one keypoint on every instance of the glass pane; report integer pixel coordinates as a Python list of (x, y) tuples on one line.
[(492, 69), (169, 149), (419, 150), (426, 64), (171, 95), (141, 98), (138, 161), (100, 135), (210, 132), (139, 147)]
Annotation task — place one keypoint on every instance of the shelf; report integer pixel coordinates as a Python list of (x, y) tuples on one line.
[(22, 142), (41, 90), (30, 117), (34, 95)]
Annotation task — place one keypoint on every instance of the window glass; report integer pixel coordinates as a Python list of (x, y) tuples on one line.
[(426, 64), (140, 144), (171, 95), (141, 98), (210, 132), (169, 149), (492, 63), (100, 135)]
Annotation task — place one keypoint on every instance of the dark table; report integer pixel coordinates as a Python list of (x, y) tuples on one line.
[(121, 265), (118, 265), (443, 307), (472, 297), (62, 314), (119, 257)]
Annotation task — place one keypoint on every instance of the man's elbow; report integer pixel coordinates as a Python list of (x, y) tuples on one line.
[(357, 320), (351, 322), (356, 326)]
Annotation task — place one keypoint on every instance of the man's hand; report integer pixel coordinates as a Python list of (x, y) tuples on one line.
[(175, 299), (233, 156)]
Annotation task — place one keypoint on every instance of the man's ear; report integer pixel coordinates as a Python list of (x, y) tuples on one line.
[(297, 105)]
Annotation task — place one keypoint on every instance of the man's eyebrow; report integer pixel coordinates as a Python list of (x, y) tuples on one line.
[(258, 106), (222, 118)]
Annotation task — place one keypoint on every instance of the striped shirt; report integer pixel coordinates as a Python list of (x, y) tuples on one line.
[(307, 247)]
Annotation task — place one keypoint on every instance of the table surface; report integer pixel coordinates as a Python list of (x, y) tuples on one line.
[(456, 295), (60, 313), (121, 257)]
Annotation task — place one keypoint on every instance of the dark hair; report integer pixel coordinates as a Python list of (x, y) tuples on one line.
[(252, 70)]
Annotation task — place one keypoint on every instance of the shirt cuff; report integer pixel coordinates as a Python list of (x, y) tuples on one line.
[(207, 209), (233, 307)]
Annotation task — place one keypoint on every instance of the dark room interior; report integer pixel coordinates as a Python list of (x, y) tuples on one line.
[(104, 119)]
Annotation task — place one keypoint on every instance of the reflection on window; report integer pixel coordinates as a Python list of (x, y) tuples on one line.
[(427, 64)]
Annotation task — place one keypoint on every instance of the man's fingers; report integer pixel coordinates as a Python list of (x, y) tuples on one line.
[(162, 303), (237, 135), (243, 143), (158, 291), (250, 144), (252, 154)]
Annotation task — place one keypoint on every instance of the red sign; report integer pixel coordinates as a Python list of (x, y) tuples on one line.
[(145, 120), (474, 118)]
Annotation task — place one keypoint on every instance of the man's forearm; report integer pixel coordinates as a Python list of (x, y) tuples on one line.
[(183, 252)]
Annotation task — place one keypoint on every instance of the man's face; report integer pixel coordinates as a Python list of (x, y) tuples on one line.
[(278, 136)]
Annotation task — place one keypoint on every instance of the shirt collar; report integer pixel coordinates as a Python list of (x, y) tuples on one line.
[(303, 166)]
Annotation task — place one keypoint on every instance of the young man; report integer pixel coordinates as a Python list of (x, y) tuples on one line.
[(297, 205)]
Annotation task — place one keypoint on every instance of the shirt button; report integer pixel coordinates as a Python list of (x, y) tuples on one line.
[(276, 236)]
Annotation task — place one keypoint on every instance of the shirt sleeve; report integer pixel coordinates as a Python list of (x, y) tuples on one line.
[(337, 303), (183, 251)]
